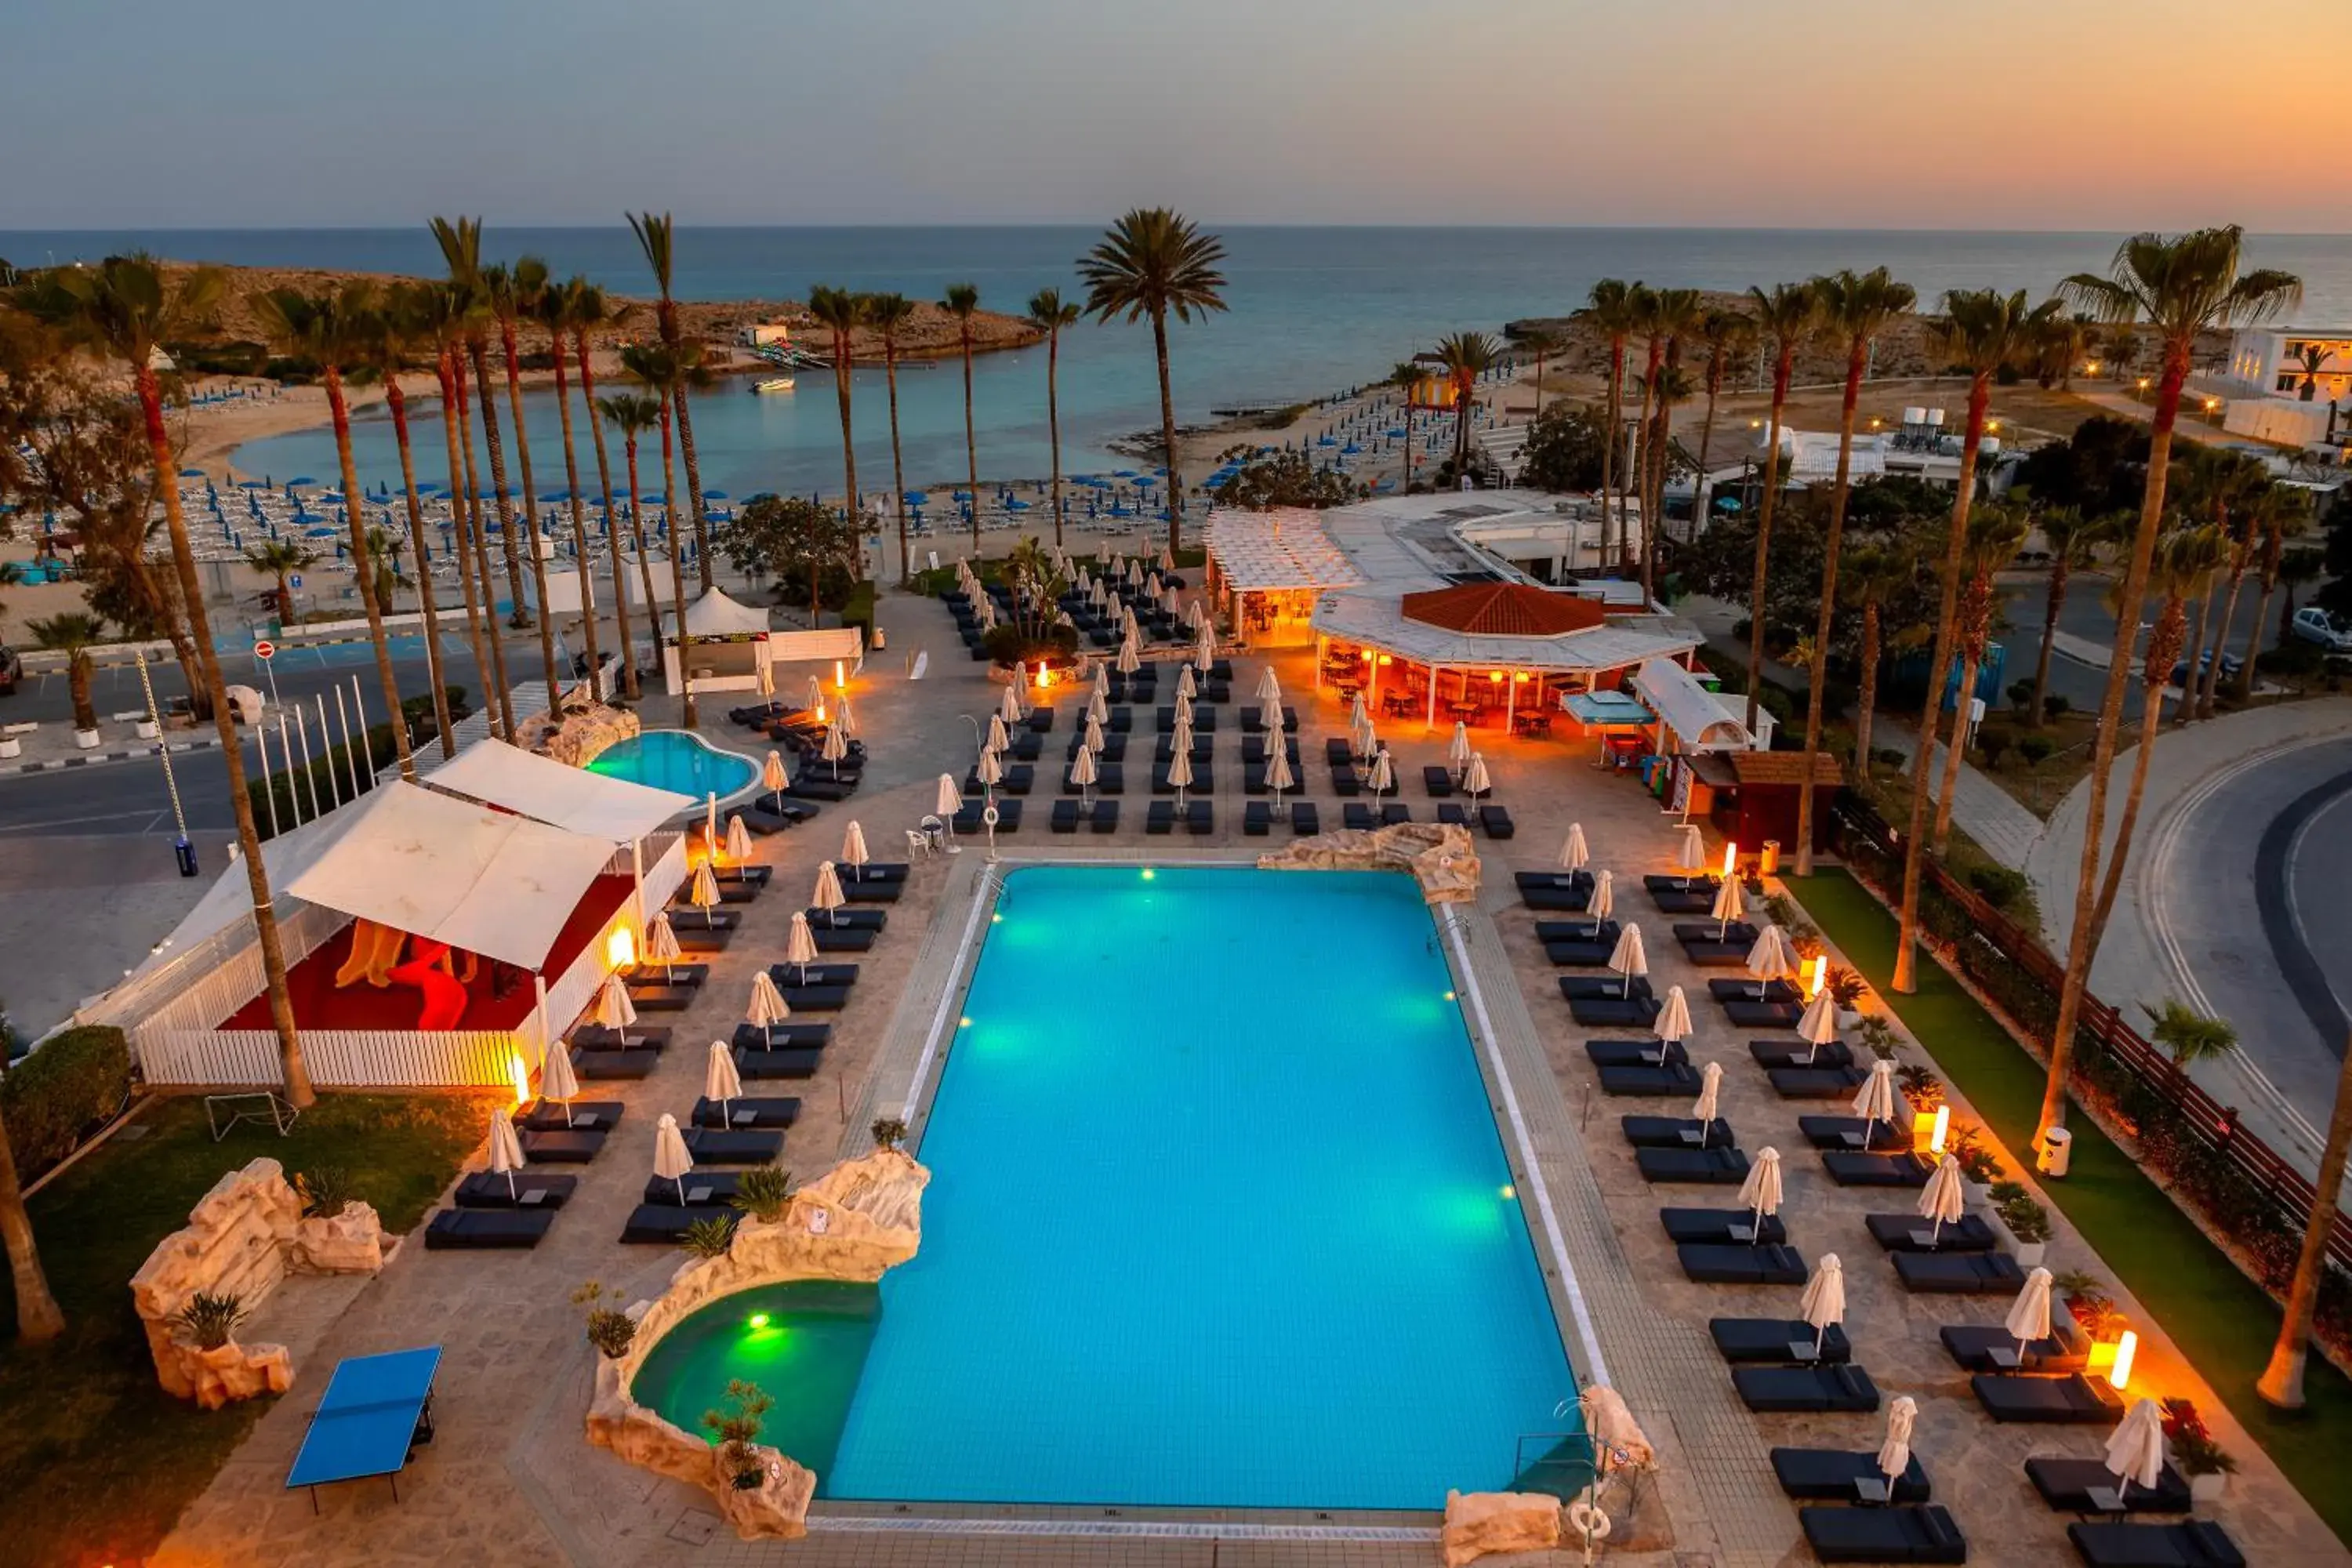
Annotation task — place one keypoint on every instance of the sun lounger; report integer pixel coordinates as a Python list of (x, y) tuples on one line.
[(678, 973), (1357, 817), (785, 1036), (548, 1115), (880, 892), (1909, 1233), (1800, 1054), (784, 812), (1395, 814), (1704, 883), (789, 975), (1721, 1167), (1437, 781), (1065, 818), (1779, 1341), (662, 998), (684, 918), (1339, 752), (849, 919), (1884, 1534), (734, 891), (1714, 930), (2196, 1544), (1257, 819), (1828, 1474), (1959, 1273), (695, 1189), (1845, 1387), (1200, 817), (1676, 1132), (1695, 902), (1452, 816), (1729, 1263), (2071, 1399), (1673, 1079), (1746, 991), (1853, 1132), (2066, 1485), (1579, 955), (710, 1146), (1989, 1347), (1578, 931), (1103, 816), (1565, 901), (1723, 1227), (701, 940), (636, 1037), (811, 998), (1814, 1083), (1717, 954), (531, 1190), (605, 1066), (1254, 718), (1603, 988), (486, 1228), (562, 1145), (1345, 784), (1650, 1053), (971, 822), (1161, 817), (872, 871), (1017, 779), (747, 876), (1205, 720), (841, 938), (819, 786), (1495, 822), (1638, 1012), (747, 1112), (663, 1223), (1852, 1170), (1305, 820), (1751, 1015), (788, 1063)]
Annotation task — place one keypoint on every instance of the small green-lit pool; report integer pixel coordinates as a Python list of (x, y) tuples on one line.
[(804, 1342)]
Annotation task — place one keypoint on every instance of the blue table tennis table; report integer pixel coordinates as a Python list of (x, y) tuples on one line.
[(377, 1409)]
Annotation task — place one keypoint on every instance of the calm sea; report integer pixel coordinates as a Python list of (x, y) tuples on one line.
[(1312, 311)]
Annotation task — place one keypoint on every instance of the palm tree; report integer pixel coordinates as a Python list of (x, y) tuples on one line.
[(2281, 1380), (656, 236), (2218, 484), (1668, 390), (1875, 574), (514, 294), (962, 302), (124, 308), (1464, 357), (281, 558), (633, 414), (1154, 262), (461, 248), (1786, 315), (2281, 514), (1675, 314), (2265, 497), (1049, 315), (1855, 307), (1728, 335), (1995, 536), (331, 328), (1610, 311), (39, 1316), (591, 312), (663, 371), (400, 325), (448, 312), (889, 313), (1648, 320), (840, 314), (1987, 332), (2074, 542), (2313, 358), (1406, 375), (2183, 287), (73, 634), (556, 303), (1542, 342)]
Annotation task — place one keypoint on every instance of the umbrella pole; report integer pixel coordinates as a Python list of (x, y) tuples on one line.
[(681, 1181), (511, 1186)]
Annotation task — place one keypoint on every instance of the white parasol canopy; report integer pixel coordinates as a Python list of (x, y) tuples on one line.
[(671, 1160), (1673, 1018), (947, 800), (1730, 904), (772, 775), (1710, 1093), (1277, 770), (2136, 1447), (853, 844), (1180, 774), (1185, 685), (703, 892), (1573, 854), (1894, 1453), (1945, 1201), (661, 942), (800, 942), (768, 1008), (1457, 749), (1690, 848), (1098, 709), (720, 1080), (1824, 1302), (1603, 902), (1627, 957), (2029, 1315), (1761, 1190), (558, 1083), (1383, 777), (1874, 1101), (1130, 658), (1269, 686), (998, 740), (1769, 957), (1092, 738), (1475, 780), (506, 1149), (844, 718), (1083, 772), (835, 747), (1009, 708), (615, 1011), (738, 839), (827, 895), (1818, 1024)]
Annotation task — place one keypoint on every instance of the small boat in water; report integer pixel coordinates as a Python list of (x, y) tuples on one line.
[(773, 384)]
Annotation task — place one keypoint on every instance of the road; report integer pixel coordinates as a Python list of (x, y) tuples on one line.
[(2084, 615)]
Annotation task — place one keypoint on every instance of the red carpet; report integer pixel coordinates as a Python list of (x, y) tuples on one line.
[(319, 1006)]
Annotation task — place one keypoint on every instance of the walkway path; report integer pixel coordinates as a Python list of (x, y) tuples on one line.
[(1987, 813)]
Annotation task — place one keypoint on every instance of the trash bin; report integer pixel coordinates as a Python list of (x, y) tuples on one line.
[(2057, 1149), (186, 854)]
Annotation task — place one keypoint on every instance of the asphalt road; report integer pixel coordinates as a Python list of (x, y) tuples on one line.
[(2084, 615)]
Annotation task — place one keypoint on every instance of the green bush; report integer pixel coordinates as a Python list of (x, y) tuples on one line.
[(1009, 644), (2292, 658), (1998, 885), (859, 610), (78, 1077)]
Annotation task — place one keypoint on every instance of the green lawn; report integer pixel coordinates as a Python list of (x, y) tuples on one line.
[(96, 1460), (2221, 1320)]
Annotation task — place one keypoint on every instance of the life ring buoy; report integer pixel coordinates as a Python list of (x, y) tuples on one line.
[(1588, 1520)]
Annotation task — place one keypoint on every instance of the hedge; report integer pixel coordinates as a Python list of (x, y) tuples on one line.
[(78, 1077), (293, 795)]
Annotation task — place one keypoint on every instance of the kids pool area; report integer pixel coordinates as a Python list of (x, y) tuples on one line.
[(1219, 1217), (679, 761)]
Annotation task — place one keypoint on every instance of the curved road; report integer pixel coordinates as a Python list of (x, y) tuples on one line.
[(2301, 873)]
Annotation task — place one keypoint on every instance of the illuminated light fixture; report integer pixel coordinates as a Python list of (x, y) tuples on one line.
[(2127, 1350), (1731, 858), (820, 713), (1365, 654), (1149, 873), (2211, 403), (1045, 677), (2092, 368), (521, 1076), (1816, 971), (1519, 676), (1509, 1191), (840, 676), (2143, 384), (1992, 423), (758, 1320), (1942, 1127), (1755, 423), (1449, 995), (1493, 678), (620, 947), (964, 1022), (1386, 661), (995, 919)]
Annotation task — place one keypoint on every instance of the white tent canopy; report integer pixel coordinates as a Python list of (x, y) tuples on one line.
[(562, 591), (1697, 715), (716, 616), (483, 881), (230, 897), (617, 811), (1283, 548)]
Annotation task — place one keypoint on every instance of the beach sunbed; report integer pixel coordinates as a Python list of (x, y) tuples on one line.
[(790, 1035), (695, 1189), (1719, 1167), (1305, 820), (747, 1112), (1779, 1341), (1723, 1227), (1495, 822), (1812, 1083), (1103, 816), (775, 1064), (2199, 1543), (1800, 1054), (1828, 1474), (529, 1190), (850, 918), (655, 1225), (1257, 819), (1731, 1263), (1357, 817), (1747, 990), (502, 1229), (2066, 1485), (607, 1066), (1753, 1015), (841, 938), (1697, 901), (1909, 1233), (1711, 954), (1667, 1080), (2070, 1399), (1909, 1535), (1603, 988), (710, 1146), (562, 1145), (1959, 1273), (1437, 781), (1991, 1347), (1853, 1132), (1676, 1132), (1852, 1170), (550, 1115), (1844, 1387)]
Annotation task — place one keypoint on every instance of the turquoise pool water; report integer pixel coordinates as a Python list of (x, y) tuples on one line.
[(1219, 1217), (674, 760)]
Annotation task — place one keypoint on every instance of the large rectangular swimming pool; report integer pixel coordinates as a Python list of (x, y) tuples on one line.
[(1219, 1214)]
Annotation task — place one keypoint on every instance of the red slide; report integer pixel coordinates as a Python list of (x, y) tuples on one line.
[(444, 999)]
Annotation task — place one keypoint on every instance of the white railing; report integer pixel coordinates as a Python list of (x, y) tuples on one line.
[(338, 1059)]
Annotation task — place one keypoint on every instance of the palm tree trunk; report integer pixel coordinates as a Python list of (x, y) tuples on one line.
[(2083, 939), (2281, 1380), (531, 525), (2242, 687), (1931, 712), (2186, 709), (1054, 422), (693, 490), (1168, 433), (1866, 703), (1763, 532), (1701, 497), (1971, 661), (78, 688), (848, 449), (1539, 370), (519, 617), (1608, 467), (1818, 676), (1641, 460), (611, 519), (677, 575), (579, 527), (39, 1316), (475, 546), (972, 443), (284, 599), (2059, 572), (363, 568), (397, 401), (291, 1067), (644, 561), (2212, 682), (2151, 724), (1406, 489), (897, 463)]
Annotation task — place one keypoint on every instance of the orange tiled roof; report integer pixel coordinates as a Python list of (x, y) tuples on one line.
[(1503, 610)]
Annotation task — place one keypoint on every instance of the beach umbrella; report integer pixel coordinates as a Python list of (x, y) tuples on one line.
[(1603, 902), (671, 1162), (772, 777), (1269, 686), (1358, 714), (704, 894), (828, 895), (1710, 1092), (1185, 686), (1180, 774), (1457, 749), (998, 740), (1102, 680), (506, 1149), (1180, 739), (1944, 1200), (1819, 1024), (1097, 711), (1204, 647), (1761, 1192), (1573, 854), (767, 676), (1628, 959), (1874, 1101), (557, 1082), (814, 694), (843, 719), (800, 944), (1167, 559), (768, 1008), (1690, 851), (1009, 708), (661, 943), (1130, 661), (739, 838), (1474, 780), (1894, 1453), (1183, 709), (721, 1081), (1730, 905), (2029, 1315), (854, 853), (1383, 777), (1768, 958), (2136, 1447), (1673, 1018), (1824, 1302), (1084, 773), (1278, 776), (990, 772), (1092, 736), (615, 1011)]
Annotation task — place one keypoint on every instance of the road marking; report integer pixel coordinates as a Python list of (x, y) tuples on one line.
[(151, 817)]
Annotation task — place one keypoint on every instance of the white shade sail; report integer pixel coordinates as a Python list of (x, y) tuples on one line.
[(615, 810)]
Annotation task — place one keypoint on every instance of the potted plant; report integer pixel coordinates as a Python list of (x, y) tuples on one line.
[(324, 1190), (2022, 1222), (1879, 1034), (708, 1237), (888, 1131), (73, 634), (1847, 989), (1919, 1084), (762, 1191), (735, 1427), (1978, 1165), (610, 1329), (2086, 1297), (209, 1322), (2204, 1461)]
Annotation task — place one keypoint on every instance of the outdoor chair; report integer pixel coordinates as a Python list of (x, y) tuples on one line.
[(2196, 1544), (1723, 1227), (499, 1230), (1845, 1388), (1828, 1474), (1884, 1534), (2066, 1485), (1755, 1263), (1779, 1341), (2068, 1400)]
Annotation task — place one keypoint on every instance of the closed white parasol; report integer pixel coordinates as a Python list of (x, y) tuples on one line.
[(1874, 1101), (1818, 1024), (1710, 1094), (827, 895), (1083, 773), (1761, 1192), (1768, 957), (1573, 854), (1457, 749), (703, 893), (1475, 780), (1180, 774), (720, 1080), (768, 1008), (1278, 776), (738, 839), (1730, 904), (671, 1160), (558, 1083), (613, 1009), (506, 1149), (1690, 851), (1628, 959), (1894, 1453), (1673, 1018), (1269, 686), (661, 943), (1824, 1302), (2136, 1447), (772, 777), (1944, 1200), (2029, 1315)]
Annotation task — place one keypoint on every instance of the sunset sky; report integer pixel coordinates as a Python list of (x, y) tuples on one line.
[(2078, 114)]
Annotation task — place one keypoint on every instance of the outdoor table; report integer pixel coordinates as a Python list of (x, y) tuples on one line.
[(377, 1409), (2105, 1500), (1870, 1488), (1804, 1349), (1740, 1232), (1689, 1136), (1924, 1238), (2003, 1357)]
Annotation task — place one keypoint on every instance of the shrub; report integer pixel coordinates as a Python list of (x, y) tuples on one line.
[(1921, 1087), (1009, 644), (1998, 885), (2027, 1219), (81, 1076), (2054, 705), (1846, 987), (209, 1321), (1993, 744), (708, 1237), (324, 1190), (1880, 1036), (859, 610), (2296, 657), (2021, 693), (610, 1329), (762, 1191), (2086, 1297), (419, 712), (736, 1426), (888, 1131), (2193, 1447)]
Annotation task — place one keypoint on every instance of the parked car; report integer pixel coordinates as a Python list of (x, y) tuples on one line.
[(11, 670), (2314, 625), (2230, 665)]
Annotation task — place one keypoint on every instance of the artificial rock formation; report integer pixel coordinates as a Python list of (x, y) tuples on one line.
[(856, 1222), (585, 733), (1437, 854), (1479, 1522)]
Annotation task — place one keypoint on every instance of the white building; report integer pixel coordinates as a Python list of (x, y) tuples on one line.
[(2289, 386)]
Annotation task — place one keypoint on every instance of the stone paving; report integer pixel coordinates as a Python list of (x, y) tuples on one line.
[(508, 1478), (1996, 819)]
